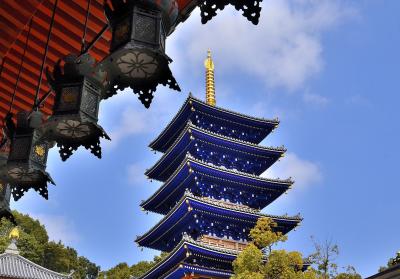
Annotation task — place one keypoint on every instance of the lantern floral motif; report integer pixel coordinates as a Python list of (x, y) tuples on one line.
[(137, 56), (26, 163), (251, 9), (78, 91)]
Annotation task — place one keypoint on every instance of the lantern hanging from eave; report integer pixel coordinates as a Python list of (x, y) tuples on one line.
[(26, 164), (251, 8), (137, 56), (5, 195), (5, 191), (78, 92)]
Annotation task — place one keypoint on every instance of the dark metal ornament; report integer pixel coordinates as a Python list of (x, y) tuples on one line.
[(5, 195), (26, 164), (251, 9), (137, 56), (5, 191), (78, 91)]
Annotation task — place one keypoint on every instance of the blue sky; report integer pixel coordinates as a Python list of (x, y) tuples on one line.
[(328, 69)]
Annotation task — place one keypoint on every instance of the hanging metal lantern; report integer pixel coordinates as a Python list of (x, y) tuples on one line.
[(5, 191), (137, 56), (26, 164), (5, 195), (78, 92), (251, 9)]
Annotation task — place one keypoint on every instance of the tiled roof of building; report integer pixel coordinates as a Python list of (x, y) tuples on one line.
[(13, 265)]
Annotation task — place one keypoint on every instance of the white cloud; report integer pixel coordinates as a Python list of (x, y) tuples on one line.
[(315, 99), (128, 117), (305, 173), (136, 174), (58, 228), (283, 50), (358, 100)]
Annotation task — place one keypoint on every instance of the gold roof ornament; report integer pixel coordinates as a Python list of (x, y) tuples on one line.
[(210, 81), (14, 234)]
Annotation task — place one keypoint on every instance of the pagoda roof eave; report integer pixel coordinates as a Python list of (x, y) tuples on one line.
[(283, 185), (15, 266), (188, 130), (181, 270), (185, 109), (187, 244), (185, 201)]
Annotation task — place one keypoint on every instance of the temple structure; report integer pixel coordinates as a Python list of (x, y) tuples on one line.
[(13, 265), (212, 192)]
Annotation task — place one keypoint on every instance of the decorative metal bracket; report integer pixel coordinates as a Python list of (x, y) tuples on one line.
[(251, 9)]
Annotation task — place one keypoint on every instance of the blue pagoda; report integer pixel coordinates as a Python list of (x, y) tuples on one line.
[(212, 192)]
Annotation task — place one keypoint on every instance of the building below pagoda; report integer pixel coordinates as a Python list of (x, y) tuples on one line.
[(13, 265), (212, 193)]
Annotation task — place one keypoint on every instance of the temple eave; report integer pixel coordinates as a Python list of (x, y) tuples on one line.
[(162, 142), (191, 213), (222, 178), (202, 143)]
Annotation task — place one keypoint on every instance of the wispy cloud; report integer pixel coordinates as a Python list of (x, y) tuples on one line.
[(136, 174), (58, 228), (284, 50), (358, 100), (128, 117), (315, 99), (304, 172)]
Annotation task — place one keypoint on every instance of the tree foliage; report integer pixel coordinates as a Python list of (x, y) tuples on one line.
[(124, 271), (259, 260), (264, 234), (324, 257), (392, 262), (34, 245)]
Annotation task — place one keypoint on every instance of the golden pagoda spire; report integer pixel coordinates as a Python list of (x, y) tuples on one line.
[(210, 83)]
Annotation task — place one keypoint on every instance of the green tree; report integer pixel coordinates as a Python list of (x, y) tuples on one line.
[(34, 245), (253, 263), (264, 234), (136, 270), (259, 260), (249, 264), (120, 271), (392, 262), (282, 264), (324, 257)]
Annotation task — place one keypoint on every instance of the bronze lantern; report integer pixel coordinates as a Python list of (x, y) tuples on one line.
[(5, 195), (26, 163), (78, 90), (137, 56)]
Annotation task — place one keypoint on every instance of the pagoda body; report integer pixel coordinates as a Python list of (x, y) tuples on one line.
[(212, 192)]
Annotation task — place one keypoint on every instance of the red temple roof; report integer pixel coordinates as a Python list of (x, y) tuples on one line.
[(66, 38)]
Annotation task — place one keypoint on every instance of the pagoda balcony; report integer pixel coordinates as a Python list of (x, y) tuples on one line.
[(196, 258), (204, 216), (207, 180), (216, 149), (214, 119), (223, 243)]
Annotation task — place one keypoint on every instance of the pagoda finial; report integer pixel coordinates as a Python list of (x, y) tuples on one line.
[(14, 236), (210, 82)]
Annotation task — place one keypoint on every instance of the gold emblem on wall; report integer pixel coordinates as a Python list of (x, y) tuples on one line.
[(39, 150)]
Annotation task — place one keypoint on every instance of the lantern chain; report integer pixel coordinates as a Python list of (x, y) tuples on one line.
[(87, 48), (45, 53), (85, 27), (20, 65)]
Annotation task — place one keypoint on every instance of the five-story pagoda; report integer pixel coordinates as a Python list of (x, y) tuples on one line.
[(212, 192)]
